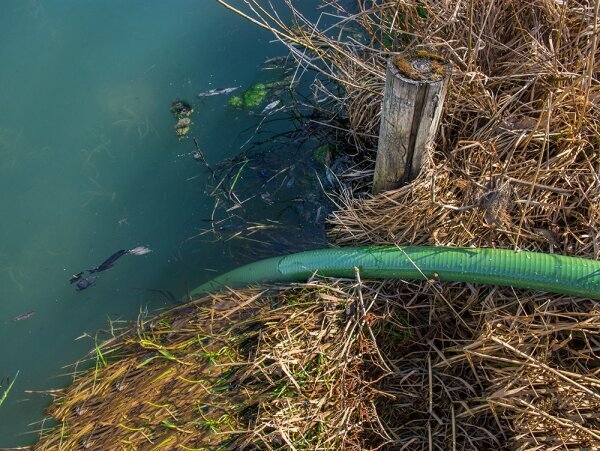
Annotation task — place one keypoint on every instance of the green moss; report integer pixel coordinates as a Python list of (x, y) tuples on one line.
[(181, 132), (323, 154), (251, 97), (437, 70), (255, 95), (236, 102)]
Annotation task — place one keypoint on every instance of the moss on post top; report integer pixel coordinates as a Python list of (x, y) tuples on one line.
[(422, 65)]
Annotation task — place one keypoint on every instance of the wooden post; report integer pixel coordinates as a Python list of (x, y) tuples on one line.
[(415, 88)]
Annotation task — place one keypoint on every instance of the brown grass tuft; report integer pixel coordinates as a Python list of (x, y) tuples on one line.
[(238, 370), (519, 131), (345, 365)]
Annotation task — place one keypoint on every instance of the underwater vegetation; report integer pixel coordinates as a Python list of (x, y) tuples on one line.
[(266, 91), (324, 154), (7, 390), (183, 126), (182, 110), (261, 194), (252, 97)]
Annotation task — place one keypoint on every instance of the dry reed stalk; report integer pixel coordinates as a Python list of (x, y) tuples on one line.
[(346, 365), (235, 370), (516, 163)]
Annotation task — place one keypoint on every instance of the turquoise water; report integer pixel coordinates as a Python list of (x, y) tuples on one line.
[(90, 164)]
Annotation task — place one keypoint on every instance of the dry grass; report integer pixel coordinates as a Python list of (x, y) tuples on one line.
[(236, 370), (516, 161), (344, 365)]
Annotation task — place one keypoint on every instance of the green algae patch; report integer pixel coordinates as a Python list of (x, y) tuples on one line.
[(251, 98), (183, 127), (236, 102), (323, 154)]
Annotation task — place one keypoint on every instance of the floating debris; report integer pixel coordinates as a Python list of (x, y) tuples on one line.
[(110, 261), (181, 108), (24, 316), (85, 283), (198, 155), (182, 127), (270, 107), (140, 250), (218, 91), (82, 283), (267, 199), (275, 63), (75, 277)]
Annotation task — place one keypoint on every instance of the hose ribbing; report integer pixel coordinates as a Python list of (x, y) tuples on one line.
[(543, 272)]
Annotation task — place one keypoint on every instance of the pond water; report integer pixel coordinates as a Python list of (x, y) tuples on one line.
[(90, 163)]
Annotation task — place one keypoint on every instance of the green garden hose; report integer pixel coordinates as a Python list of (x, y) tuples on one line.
[(543, 272)]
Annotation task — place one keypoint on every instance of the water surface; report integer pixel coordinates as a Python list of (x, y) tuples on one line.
[(90, 163)]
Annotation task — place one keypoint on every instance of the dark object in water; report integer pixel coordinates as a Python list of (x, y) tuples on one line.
[(75, 277), (24, 316), (267, 199), (85, 283), (218, 91), (82, 284), (181, 108), (109, 262)]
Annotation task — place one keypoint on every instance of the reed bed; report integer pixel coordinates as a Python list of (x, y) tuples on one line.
[(516, 161), (335, 364), (352, 364), (236, 370)]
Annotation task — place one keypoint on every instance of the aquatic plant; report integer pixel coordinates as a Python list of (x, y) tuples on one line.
[(181, 108), (183, 127), (334, 364), (252, 97), (182, 131), (7, 391), (183, 122), (323, 154), (135, 122), (236, 102)]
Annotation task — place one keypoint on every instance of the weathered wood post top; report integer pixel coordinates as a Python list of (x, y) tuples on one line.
[(415, 88)]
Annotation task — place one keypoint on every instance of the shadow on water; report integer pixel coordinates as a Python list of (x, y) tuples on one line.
[(270, 199)]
